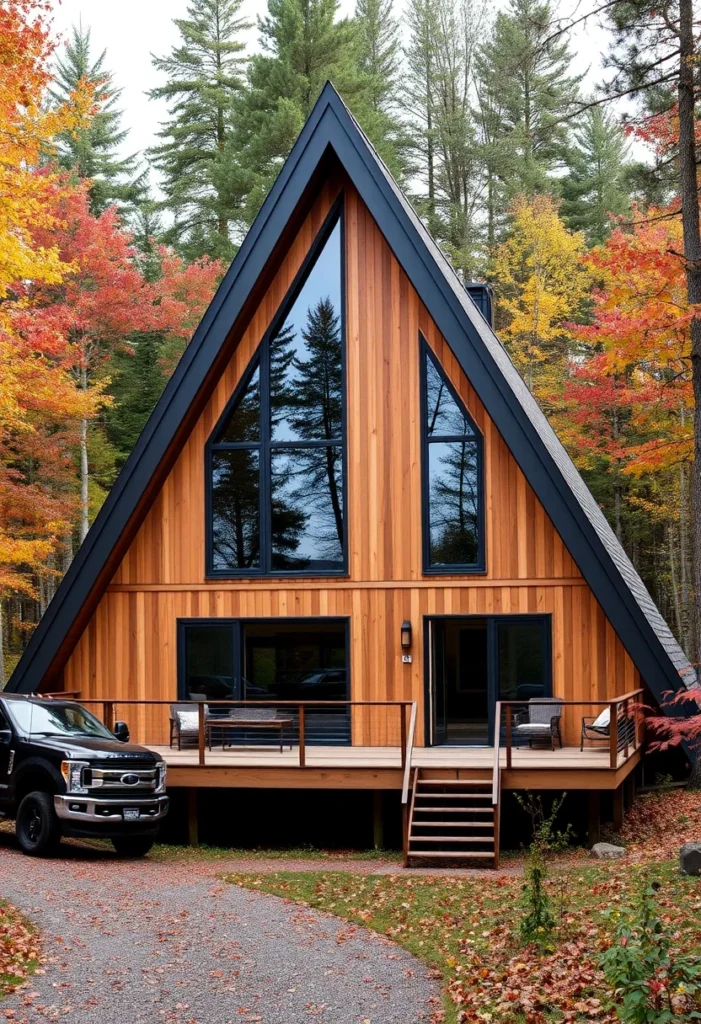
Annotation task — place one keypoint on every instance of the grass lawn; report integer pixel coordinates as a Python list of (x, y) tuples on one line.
[(19, 949), (166, 852), (466, 928)]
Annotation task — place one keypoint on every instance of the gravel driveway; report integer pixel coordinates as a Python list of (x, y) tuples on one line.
[(138, 942)]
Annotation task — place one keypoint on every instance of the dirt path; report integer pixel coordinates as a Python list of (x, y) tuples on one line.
[(138, 942)]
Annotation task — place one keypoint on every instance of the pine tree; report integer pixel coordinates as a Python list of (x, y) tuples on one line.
[(93, 151), (137, 380), (379, 55), (303, 46), (438, 84), (205, 74), (596, 185), (458, 174), (422, 19), (524, 79)]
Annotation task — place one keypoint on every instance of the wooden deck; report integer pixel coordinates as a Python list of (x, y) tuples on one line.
[(381, 767)]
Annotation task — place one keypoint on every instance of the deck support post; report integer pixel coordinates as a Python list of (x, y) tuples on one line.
[(378, 825), (629, 785), (594, 819), (405, 835), (618, 809), (193, 837)]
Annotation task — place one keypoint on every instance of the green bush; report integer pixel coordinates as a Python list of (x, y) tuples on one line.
[(652, 983), (538, 921)]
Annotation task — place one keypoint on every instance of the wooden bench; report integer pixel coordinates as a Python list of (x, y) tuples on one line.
[(247, 718)]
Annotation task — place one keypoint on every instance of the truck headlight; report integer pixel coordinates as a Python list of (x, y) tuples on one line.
[(72, 772), (162, 770)]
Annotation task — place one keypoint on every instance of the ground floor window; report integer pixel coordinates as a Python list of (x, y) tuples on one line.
[(474, 661), (270, 660)]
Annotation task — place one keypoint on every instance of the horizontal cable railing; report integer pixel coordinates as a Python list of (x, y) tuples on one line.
[(620, 732), (211, 725)]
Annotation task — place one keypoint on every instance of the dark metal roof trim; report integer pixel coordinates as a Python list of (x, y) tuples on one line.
[(549, 470)]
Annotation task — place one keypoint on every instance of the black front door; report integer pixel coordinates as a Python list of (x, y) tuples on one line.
[(460, 681), (474, 661)]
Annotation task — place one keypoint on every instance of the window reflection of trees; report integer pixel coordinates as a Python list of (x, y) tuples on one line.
[(454, 503), (236, 509), (454, 471), (302, 444), (307, 406)]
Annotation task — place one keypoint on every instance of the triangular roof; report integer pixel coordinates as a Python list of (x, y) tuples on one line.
[(525, 429)]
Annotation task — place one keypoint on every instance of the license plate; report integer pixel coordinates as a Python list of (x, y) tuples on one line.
[(130, 813)]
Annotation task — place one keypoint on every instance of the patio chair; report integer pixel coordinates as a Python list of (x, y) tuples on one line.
[(542, 721), (596, 729), (185, 723)]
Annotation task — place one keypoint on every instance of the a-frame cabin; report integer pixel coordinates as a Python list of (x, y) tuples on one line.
[(348, 512)]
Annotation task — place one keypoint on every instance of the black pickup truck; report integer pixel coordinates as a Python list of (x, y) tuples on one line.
[(63, 773)]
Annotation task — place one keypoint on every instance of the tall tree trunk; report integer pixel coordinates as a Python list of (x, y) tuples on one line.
[(430, 156), (84, 519), (617, 507), (687, 639), (676, 602), (84, 469), (692, 253), (67, 552)]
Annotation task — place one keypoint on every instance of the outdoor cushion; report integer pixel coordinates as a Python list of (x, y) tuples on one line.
[(188, 722), (603, 721), (533, 727), (252, 714)]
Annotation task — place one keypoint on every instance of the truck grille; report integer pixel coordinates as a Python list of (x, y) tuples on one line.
[(123, 764), (121, 778)]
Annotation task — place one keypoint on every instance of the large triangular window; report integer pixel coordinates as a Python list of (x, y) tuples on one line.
[(452, 476), (276, 458)]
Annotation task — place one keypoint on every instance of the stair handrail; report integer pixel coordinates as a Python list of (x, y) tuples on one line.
[(496, 782), (409, 753)]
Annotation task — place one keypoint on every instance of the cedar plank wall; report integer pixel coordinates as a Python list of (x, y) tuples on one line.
[(129, 647)]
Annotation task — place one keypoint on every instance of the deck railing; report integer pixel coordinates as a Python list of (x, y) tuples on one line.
[(395, 726), (623, 736), (406, 782), (496, 784)]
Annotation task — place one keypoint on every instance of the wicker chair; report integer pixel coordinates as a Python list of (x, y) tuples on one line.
[(541, 720)]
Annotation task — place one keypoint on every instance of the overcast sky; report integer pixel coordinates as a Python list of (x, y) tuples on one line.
[(132, 30)]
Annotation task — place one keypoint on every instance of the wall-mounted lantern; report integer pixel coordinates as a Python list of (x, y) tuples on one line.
[(406, 635)]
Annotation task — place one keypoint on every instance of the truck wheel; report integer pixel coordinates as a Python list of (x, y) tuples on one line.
[(133, 846), (36, 826)]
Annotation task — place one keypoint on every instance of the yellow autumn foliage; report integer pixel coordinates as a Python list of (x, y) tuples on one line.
[(542, 283)]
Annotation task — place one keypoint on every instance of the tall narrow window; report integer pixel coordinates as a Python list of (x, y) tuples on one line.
[(452, 473), (275, 467)]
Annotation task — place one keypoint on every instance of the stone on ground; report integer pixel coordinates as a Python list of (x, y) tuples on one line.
[(690, 859), (607, 851)]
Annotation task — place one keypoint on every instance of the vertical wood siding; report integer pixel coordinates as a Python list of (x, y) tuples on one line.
[(129, 648)]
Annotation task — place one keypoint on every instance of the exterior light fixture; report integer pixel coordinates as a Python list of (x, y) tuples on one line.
[(406, 635)]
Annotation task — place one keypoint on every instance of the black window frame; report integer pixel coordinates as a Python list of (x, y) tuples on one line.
[(492, 620), (455, 569), (265, 446), (237, 625)]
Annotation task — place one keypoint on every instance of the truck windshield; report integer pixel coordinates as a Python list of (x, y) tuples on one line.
[(56, 720)]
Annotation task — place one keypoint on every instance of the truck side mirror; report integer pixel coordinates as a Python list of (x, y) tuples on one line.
[(5, 737), (121, 731)]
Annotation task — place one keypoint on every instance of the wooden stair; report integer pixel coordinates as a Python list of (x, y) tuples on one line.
[(452, 818)]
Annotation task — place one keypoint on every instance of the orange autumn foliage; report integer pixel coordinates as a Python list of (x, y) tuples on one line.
[(629, 390), (37, 394)]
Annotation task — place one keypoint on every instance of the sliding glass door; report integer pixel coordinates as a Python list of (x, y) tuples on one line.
[(474, 661), (271, 660)]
